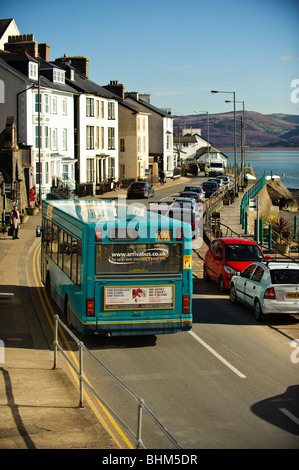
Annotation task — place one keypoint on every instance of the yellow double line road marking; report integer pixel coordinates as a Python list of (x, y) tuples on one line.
[(48, 309)]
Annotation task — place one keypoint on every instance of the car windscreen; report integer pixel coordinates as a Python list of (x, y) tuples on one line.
[(138, 185), (192, 189), (125, 258), (284, 276), (238, 252), (216, 165)]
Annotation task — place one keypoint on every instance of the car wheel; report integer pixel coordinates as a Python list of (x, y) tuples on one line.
[(221, 284), (205, 274), (233, 294), (258, 313)]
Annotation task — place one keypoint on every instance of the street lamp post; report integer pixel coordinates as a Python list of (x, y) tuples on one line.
[(242, 139), (235, 149)]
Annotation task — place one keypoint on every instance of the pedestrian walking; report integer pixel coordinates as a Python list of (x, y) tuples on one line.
[(162, 176), (15, 222), (32, 195)]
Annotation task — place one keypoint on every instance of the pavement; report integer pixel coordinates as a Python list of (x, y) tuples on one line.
[(39, 406)]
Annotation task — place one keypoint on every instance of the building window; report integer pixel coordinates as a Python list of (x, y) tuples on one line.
[(122, 169), (46, 172), (111, 167), (36, 103), (64, 106), (37, 143), (47, 139), (102, 141), (90, 169), (47, 104), (65, 172), (33, 71), (111, 138), (97, 137), (122, 145), (139, 145), (58, 76), (38, 174), (55, 139), (89, 137), (111, 110), (64, 139), (54, 104), (89, 107)]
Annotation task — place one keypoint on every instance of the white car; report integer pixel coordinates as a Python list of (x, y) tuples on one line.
[(268, 288)]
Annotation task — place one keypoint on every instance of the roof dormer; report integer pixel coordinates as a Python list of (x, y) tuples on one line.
[(32, 70), (58, 76)]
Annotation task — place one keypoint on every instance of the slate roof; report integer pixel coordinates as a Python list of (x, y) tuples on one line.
[(19, 62), (83, 84), (4, 25), (149, 106)]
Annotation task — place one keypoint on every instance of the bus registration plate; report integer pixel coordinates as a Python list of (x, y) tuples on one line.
[(164, 235)]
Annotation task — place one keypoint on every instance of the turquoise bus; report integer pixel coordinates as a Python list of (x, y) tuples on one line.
[(116, 269)]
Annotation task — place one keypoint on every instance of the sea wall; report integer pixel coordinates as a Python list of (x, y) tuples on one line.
[(273, 198)]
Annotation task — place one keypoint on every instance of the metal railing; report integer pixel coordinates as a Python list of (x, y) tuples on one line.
[(252, 192), (82, 381), (274, 237)]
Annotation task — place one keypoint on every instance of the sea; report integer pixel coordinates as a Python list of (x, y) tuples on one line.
[(282, 163)]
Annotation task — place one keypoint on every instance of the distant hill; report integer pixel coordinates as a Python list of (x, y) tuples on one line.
[(270, 130)]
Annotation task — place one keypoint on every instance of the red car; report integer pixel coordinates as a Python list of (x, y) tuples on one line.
[(226, 256)]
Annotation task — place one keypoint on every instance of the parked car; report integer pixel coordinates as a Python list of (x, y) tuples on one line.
[(191, 195), (210, 187), (218, 181), (140, 189), (224, 178), (268, 288), (195, 188), (185, 213), (227, 256)]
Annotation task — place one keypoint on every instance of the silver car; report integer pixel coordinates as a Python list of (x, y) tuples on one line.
[(268, 288)]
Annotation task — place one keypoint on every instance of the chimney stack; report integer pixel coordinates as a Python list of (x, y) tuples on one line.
[(81, 64), (116, 88)]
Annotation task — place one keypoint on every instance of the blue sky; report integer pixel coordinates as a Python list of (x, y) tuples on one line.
[(177, 51)]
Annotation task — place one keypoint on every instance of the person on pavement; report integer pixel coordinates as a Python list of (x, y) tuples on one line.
[(15, 222)]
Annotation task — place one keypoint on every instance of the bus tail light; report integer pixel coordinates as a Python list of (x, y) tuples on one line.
[(90, 307), (186, 304), (179, 234), (98, 234)]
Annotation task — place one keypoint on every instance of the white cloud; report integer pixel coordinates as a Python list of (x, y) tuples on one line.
[(289, 57)]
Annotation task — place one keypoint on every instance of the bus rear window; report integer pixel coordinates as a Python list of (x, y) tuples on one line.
[(124, 258)]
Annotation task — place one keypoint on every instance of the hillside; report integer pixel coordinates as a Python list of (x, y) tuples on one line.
[(270, 131)]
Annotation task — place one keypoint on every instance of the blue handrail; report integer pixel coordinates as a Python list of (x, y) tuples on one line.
[(250, 194)]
